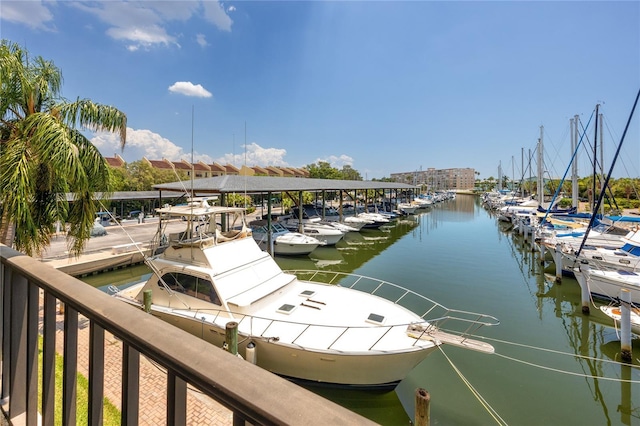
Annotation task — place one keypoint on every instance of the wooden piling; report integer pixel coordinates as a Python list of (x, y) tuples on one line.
[(423, 408), (147, 300), (231, 337)]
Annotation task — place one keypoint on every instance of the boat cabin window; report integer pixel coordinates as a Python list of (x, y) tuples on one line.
[(200, 288)]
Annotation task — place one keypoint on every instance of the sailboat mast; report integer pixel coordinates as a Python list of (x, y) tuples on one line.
[(541, 168), (574, 165), (606, 182), (595, 162), (601, 158)]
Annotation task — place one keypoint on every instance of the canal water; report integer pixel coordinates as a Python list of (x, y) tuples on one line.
[(552, 364)]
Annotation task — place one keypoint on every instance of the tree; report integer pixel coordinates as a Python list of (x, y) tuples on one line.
[(323, 170), (44, 155), (349, 173)]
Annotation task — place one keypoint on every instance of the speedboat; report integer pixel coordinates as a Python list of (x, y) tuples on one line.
[(408, 208), (609, 283), (328, 234), (313, 326), (285, 242), (615, 314)]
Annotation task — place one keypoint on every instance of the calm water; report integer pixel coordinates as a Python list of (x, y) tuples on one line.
[(553, 365)]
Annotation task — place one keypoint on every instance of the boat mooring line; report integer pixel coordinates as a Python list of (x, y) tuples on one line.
[(492, 412), (557, 352), (588, 376)]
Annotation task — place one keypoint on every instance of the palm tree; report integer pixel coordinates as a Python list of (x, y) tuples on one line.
[(43, 154)]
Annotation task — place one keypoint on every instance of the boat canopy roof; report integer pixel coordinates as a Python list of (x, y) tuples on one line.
[(263, 184)]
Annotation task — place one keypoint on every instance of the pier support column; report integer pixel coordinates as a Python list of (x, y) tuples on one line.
[(582, 276), (423, 409), (557, 259), (533, 239), (231, 337), (625, 325), (147, 300)]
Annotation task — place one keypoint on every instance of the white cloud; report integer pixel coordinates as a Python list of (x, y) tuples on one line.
[(144, 143), (143, 23), (337, 161), (142, 36), (189, 89), (255, 155), (201, 39), (33, 14), (214, 13)]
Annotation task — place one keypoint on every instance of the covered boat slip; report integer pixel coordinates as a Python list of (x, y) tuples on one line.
[(262, 185), (253, 185)]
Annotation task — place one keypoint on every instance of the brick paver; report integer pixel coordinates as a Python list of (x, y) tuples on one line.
[(201, 410)]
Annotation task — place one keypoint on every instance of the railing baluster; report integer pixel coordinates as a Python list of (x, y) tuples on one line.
[(6, 333), (18, 350), (96, 373), (70, 366), (130, 385), (176, 400), (48, 360), (33, 315)]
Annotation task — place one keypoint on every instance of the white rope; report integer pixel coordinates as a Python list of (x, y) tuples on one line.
[(493, 413), (573, 355)]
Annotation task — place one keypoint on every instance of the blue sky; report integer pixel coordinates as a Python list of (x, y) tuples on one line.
[(383, 86)]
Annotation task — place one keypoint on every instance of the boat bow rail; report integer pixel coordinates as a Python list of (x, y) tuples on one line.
[(460, 325)]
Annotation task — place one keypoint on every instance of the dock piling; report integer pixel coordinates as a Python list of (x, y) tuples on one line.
[(147, 300), (625, 325), (423, 408), (231, 337)]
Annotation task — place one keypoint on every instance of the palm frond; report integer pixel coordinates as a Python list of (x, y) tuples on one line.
[(96, 117)]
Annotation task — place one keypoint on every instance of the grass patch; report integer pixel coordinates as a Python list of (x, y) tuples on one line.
[(110, 413)]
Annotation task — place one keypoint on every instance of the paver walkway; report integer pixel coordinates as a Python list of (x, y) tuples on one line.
[(201, 410)]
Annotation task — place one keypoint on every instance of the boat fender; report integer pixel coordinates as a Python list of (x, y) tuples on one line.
[(251, 354)]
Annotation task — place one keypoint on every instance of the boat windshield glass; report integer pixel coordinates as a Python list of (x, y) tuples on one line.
[(200, 288)]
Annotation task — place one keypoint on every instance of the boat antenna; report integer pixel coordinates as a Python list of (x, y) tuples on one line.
[(606, 180)]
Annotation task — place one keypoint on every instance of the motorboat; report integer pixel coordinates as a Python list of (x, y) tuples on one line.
[(376, 220), (285, 242), (408, 208), (328, 234), (614, 312), (329, 216), (314, 326), (609, 283)]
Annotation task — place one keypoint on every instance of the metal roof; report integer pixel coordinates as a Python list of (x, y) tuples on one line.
[(132, 195), (262, 184)]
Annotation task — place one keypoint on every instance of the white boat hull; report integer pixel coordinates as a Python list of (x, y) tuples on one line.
[(609, 284), (614, 313), (375, 370)]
